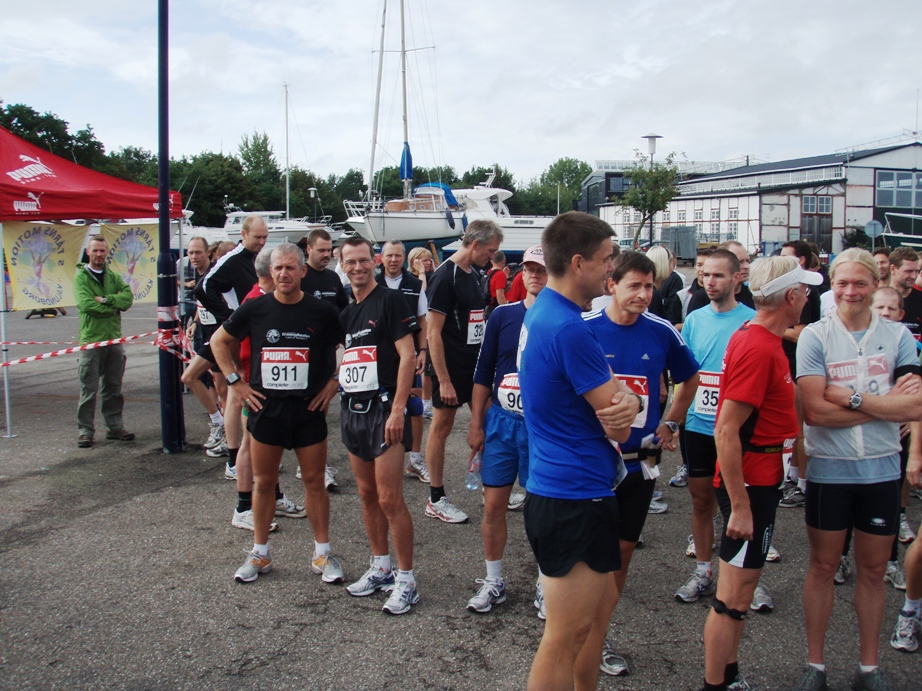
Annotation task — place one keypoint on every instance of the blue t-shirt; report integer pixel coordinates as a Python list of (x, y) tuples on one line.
[(708, 333), (559, 361), (496, 365), (638, 354)]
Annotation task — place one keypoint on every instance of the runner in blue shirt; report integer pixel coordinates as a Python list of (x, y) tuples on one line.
[(574, 406), (498, 427), (640, 346)]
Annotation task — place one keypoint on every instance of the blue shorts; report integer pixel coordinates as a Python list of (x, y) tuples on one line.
[(505, 449)]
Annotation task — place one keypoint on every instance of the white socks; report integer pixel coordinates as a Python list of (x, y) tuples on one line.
[(495, 570)]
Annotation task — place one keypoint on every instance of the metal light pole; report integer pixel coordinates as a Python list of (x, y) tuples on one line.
[(172, 422), (313, 191), (651, 146)]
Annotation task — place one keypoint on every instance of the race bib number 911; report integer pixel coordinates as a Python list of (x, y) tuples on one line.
[(284, 369)]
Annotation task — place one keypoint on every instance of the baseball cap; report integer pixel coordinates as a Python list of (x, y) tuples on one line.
[(788, 280), (534, 254)]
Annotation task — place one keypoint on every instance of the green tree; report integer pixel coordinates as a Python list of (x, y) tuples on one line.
[(213, 176), (503, 179), (569, 173), (50, 132), (267, 188), (133, 163), (653, 186)]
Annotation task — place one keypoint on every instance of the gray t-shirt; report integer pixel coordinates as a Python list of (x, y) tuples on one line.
[(867, 362)]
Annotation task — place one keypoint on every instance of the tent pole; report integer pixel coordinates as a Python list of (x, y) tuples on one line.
[(5, 349), (172, 422)]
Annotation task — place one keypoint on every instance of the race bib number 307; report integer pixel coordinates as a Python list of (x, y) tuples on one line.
[(284, 369), (475, 327), (359, 370)]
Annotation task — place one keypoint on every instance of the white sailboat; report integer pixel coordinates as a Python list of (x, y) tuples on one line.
[(421, 214)]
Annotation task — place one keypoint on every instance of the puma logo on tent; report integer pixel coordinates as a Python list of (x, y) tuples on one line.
[(34, 205), (33, 170)]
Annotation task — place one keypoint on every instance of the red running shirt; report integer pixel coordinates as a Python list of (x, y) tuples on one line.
[(756, 372)]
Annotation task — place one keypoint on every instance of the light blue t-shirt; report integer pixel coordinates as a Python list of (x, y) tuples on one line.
[(707, 333), (559, 361)]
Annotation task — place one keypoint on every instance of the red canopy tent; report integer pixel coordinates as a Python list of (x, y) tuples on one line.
[(36, 185)]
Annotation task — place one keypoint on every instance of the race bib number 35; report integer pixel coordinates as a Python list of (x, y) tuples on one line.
[(359, 370), (284, 369), (475, 327), (510, 397), (707, 394)]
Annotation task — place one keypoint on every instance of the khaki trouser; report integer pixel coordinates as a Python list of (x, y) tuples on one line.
[(106, 364)]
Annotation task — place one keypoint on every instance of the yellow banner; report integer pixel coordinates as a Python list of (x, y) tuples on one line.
[(133, 251), (42, 259)]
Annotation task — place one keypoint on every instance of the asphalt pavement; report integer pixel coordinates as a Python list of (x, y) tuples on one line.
[(118, 561)]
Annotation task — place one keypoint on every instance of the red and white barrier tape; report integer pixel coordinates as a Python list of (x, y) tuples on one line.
[(167, 339)]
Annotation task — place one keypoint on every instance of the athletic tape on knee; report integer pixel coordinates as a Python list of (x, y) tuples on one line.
[(721, 608), (414, 406)]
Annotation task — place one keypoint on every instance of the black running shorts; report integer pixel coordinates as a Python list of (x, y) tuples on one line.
[(700, 453), (873, 509), (462, 380), (634, 495), (363, 432), (287, 422), (564, 532), (750, 554)]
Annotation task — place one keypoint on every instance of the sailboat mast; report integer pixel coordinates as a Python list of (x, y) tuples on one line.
[(374, 126), (287, 160), (403, 74)]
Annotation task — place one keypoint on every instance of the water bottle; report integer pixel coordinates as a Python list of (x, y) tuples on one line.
[(473, 472)]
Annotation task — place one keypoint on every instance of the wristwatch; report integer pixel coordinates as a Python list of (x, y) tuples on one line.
[(639, 400), (854, 401), (232, 378), (672, 425)]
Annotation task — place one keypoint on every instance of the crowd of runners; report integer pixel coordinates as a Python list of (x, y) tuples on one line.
[(781, 387)]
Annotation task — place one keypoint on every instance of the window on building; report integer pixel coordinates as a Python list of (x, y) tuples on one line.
[(715, 214), (699, 214), (680, 216), (665, 217), (732, 230), (809, 205), (637, 217), (896, 189), (699, 228), (734, 214), (715, 228), (824, 205)]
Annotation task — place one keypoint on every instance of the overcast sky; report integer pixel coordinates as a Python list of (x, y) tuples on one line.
[(517, 82)]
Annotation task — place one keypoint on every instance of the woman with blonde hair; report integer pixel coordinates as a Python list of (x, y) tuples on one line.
[(421, 265)]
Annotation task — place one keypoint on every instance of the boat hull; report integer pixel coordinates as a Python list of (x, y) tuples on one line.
[(405, 226)]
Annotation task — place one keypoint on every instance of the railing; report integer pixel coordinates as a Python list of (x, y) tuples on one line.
[(780, 179)]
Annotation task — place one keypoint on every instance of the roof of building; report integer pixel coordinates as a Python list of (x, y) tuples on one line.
[(806, 162)]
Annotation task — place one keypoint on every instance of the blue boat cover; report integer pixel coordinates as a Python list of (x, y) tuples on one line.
[(449, 196), (406, 163)]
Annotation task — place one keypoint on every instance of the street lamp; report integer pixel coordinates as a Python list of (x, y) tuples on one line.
[(651, 146), (313, 191)]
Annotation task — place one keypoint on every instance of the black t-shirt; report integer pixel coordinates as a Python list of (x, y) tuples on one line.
[(912, 306), (812, 312), (700, 298), (456, 293), (325, 285), (372, 327), (293, 347)]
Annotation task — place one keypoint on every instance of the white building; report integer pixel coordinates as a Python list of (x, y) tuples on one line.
[(815, 199)]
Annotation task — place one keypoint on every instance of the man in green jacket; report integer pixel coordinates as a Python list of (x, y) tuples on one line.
[(102, 296)]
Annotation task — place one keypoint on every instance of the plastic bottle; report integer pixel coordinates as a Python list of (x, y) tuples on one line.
[(473, 472)]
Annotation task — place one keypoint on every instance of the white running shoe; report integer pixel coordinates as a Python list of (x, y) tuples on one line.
[(217, 451), (690, 549), (492, 592), (773, 555), (418, 469), (230, 471), (761, 600), (215, 435), (329, 478), (895, 575), (906, 533), (371, 581), (657, 507), (444, 510), (328, 567), (698, 585), (252, 567), (906, 632), (843, 572), (516, 501), (244, 519), (286, 508), (403, 596), (539, 601)]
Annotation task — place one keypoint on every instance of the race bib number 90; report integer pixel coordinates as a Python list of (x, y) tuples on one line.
[(359, 370), (475, 327), (284, 369), (707, 394), (509, 394)]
